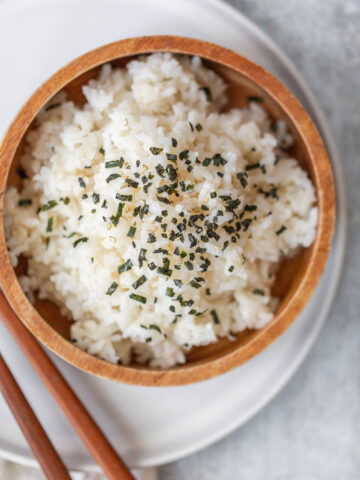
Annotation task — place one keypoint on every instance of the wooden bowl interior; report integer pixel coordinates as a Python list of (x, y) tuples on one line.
[(290, 271)]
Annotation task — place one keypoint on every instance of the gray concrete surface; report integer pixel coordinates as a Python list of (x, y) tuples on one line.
[(311, 431)]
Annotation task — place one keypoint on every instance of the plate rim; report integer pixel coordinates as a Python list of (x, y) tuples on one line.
[(340, 234)]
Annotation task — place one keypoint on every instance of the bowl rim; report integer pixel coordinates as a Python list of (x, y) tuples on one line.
[(323, 179)]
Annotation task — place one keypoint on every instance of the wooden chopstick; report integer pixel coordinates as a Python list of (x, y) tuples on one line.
[(39, 442), (91, 435)]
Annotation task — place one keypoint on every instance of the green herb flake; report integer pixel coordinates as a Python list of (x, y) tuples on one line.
[(112, 177), (160, 170), (255, 98), (52, 106), (112, 288), (79, 240), (138, 298), (151, 238), (131, 232), (96, 197), (155, 150), (21, 172), (123, 198), (70, 235), (250, 208), (199, 127), (242, 176), (169, 292), (194, 284), (140, 281), (174, 142), (164, 271), (281, 230), (171, 157), (252, 166), (65, 200), (115, 163), (258, 291), (125, 266), (115, 218), (81, 182), (132, 183), (207, 93), (184, 155), (163, 199), (25, 202), (154, 327), (49, 205), (49, 225), (215, 317), (102, 151)]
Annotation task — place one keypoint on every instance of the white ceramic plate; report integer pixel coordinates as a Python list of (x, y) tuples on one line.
[(151, 426)]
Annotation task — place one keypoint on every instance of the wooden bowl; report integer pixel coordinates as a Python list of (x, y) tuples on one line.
[(297, 277)]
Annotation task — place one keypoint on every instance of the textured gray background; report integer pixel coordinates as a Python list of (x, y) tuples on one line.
[(311, 431)]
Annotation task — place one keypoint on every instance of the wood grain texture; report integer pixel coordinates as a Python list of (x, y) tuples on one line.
[(91, 435), (39, 442), (297, 277)]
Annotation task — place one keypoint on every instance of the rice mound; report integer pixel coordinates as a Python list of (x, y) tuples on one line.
[(152, 219)]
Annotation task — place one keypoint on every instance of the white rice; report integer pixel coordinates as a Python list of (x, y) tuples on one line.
[(128, 111)]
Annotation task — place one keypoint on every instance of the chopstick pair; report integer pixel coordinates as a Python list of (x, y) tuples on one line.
[(91, 435), (39, 442)]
